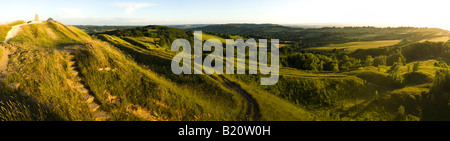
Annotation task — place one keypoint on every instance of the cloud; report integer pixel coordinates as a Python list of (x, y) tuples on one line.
[(130, 7), (69, 13)]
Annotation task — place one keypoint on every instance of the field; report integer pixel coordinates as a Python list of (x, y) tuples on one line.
[(437, 39), (352, 46), (207, 37)]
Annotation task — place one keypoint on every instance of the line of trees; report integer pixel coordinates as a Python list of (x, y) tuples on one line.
[(318, 62)]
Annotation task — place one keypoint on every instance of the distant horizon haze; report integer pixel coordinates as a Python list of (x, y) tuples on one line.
[(380, 13)]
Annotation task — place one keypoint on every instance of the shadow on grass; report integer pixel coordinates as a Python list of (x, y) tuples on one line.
[(15, 107)]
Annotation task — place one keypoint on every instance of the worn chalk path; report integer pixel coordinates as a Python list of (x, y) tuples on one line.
[(5, 56), (13, 32)]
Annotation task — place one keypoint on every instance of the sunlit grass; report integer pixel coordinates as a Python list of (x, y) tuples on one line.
[(352, 46), (202, 100), (208, 36), (437, 39), (4, 29)]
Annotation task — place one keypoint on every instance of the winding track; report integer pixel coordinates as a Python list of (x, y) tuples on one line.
[(13, 32), (252, 105), (5, 57)]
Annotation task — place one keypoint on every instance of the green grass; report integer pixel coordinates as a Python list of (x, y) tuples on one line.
[(208, 36), (273, 108), (350, 95), (437, 39), (139, 43), (426, 66), (141, 76), (40, 66), (51, 34), (4, 29), (208, 99), (14, 107), (352, 46), (43, 73), (386, 107)]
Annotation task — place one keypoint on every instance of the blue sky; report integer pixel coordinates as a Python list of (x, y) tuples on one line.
[(430, 13)]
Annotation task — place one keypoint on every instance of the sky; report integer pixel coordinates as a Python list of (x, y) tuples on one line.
[(424, 13)]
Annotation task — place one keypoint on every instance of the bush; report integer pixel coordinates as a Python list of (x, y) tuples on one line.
[(379, 61), (416, 78)]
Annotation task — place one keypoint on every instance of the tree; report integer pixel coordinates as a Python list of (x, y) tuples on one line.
[(395, 75), (348, 62), (401, 112), (376, 95), (369, 61), (379, 61), (394, 68), (335, 66), (416, 66), (396, 57)]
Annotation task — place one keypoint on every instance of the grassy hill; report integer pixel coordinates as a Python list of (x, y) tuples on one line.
[(41, 67), (129, 77), (93, 29), (128, 74), (322, 38), (158, 60)]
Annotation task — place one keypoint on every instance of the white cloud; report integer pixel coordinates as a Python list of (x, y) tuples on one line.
[(130, 7), (69, 13)]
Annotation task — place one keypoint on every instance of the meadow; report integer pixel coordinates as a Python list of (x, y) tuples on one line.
[(352, 46)]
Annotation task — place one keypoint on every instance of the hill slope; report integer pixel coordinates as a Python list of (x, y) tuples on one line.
[(56, 67)]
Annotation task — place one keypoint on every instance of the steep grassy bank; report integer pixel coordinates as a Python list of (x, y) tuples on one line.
[(124, 88), (40, 69), (206, 90), (158, 60)]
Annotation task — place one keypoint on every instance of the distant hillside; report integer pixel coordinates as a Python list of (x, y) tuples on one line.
[(187, 26), (235, 29), (164, 35), (317, 37), (92, 29)]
